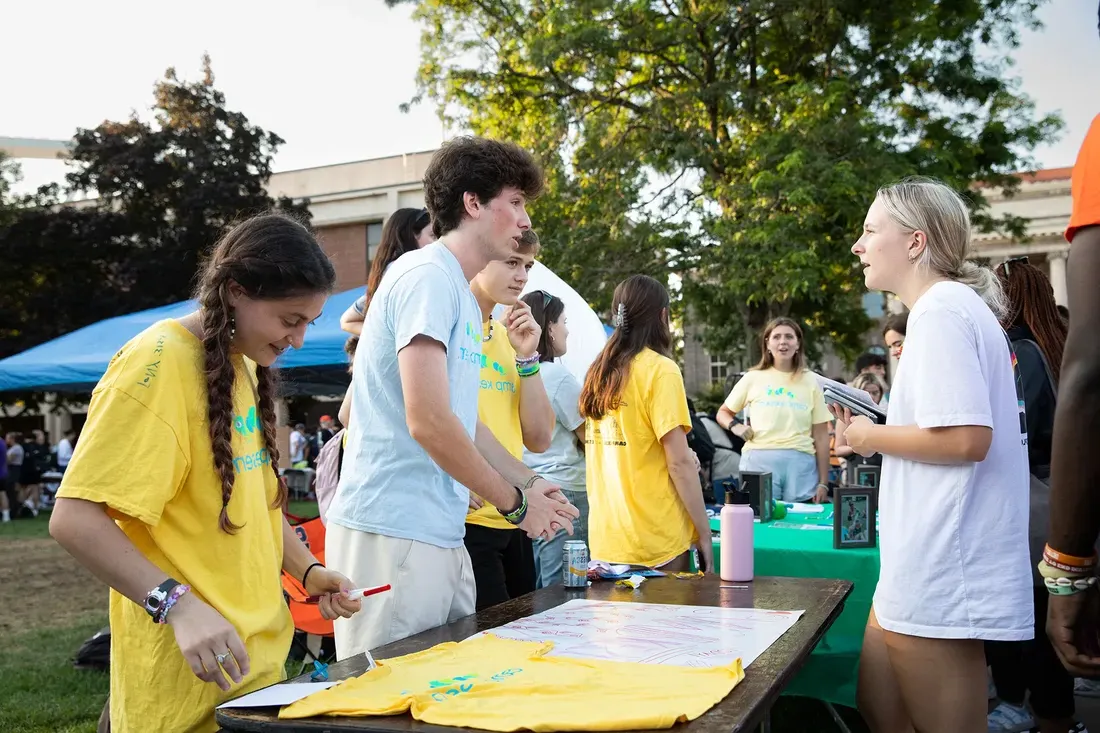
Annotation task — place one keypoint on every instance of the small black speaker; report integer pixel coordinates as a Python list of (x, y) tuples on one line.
[(759, 486)]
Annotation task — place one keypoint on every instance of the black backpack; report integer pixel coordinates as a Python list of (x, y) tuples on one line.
[(95, 653), (699, 439)]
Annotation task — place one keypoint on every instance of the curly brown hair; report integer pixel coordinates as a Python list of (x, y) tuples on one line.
[(270, 256), (479, 166), (1031, 303)]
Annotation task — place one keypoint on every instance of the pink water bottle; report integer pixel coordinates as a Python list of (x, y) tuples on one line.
[(735, 522)]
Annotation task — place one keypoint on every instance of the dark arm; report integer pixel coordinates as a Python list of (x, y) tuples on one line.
[(1075, 470)]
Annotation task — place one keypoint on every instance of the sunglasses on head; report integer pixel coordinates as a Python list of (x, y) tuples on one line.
[(1013, 260)]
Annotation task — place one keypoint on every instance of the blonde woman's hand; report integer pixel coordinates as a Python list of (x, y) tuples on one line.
[(857, 434)]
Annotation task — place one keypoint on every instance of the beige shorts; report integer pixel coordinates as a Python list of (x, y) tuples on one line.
[(431, 587)]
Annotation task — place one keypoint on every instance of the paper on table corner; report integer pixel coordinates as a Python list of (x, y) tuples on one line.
[(278, 695)]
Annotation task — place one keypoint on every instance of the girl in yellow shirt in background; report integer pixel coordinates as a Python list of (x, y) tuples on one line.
[(173, 498), (787, 431), (645, 500)]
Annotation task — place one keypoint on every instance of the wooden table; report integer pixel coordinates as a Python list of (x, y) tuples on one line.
[(741, 711)]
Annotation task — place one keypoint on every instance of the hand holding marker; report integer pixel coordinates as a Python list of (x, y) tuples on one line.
[(355, 595)]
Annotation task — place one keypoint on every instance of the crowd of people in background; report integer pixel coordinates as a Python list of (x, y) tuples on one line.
[(30, 471)]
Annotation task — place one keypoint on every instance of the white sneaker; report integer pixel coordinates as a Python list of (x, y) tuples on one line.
[(1007, 718), (1086, 688)]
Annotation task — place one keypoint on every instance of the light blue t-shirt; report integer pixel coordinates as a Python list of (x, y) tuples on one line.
[(388, 483), (563, 461)]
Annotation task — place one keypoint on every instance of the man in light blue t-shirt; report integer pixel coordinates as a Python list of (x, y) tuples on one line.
[(414, 440)]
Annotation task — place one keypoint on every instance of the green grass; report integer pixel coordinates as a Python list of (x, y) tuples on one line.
[(21, 529), (43, 693), (40, 526)]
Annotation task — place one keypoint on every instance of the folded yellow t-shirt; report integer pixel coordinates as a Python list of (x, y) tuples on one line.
[(503, 685)]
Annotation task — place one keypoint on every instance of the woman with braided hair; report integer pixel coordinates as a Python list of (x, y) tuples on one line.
[(173, 499)]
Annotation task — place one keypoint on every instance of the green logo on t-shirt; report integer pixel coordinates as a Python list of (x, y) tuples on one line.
[(247, 423)]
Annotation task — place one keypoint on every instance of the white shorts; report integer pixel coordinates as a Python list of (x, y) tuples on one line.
[(431, 587)]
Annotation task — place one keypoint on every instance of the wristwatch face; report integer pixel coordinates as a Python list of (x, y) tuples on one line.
[(155, 600)]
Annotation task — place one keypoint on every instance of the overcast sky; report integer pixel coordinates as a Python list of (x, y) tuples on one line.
[(328, 76)]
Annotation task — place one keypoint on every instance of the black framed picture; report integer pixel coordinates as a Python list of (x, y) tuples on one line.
[(854, 510), (867, 476)]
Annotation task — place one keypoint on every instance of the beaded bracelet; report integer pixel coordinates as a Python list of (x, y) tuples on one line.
[(1068, 586), (173, 596), (522, 361)]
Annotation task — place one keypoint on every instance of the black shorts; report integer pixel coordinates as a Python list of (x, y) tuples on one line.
[(503, 561)]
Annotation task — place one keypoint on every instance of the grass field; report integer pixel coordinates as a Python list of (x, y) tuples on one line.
[(51, 605)]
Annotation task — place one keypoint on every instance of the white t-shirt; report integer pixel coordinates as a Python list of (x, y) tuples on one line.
[(954, 539), (297, 447), (563, 461), (64, 452)]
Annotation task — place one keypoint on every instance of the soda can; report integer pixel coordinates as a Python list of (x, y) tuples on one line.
[(575, 564)]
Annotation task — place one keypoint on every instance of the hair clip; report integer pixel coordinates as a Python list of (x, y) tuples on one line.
[(619, 319)]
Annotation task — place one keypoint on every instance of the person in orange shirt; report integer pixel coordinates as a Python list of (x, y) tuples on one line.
[(1073, 621)]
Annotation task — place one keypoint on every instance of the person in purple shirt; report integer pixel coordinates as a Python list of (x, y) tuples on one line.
[(5, 511)]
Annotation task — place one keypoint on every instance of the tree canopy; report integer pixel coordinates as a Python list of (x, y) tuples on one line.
[(157, 193), (736, 145)]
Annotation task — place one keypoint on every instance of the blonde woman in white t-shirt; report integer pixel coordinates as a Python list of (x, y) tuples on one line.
[(954, 497)]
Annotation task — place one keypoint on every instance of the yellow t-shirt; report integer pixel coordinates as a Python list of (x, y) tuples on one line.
[(498, 408), (783, 408), (635, 515), (145, 452), (503, 685)]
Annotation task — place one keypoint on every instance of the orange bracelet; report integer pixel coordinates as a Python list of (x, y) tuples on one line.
[(1064, 561)]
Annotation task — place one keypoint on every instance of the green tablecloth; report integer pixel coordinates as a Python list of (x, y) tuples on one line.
[(782, 549)]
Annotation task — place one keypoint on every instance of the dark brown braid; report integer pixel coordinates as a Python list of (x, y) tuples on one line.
[(1031, 302), (266, 383), (220, 374), (268, 257)]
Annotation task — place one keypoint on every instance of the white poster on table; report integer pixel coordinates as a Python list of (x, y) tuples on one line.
[(654, 633)]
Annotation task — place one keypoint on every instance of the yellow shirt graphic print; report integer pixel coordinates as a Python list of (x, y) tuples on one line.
[(145, 452), (783, 408), (498, 684), (498, 408), (635, 514)]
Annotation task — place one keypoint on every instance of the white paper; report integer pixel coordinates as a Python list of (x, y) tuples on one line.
[(654, 633), (278, 695), (803, 508), (795, 525)]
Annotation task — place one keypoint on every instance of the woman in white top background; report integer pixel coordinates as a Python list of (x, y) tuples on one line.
[(954, 497), (563, 462)]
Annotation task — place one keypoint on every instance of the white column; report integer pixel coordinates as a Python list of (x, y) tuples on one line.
[(1057, 261)]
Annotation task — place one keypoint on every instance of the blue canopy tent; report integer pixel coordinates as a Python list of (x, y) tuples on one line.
[(76, 361)]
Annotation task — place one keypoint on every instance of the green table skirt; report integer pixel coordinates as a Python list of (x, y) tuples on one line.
[(780, 549)]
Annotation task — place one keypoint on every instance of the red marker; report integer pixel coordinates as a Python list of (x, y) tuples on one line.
[(354, 595)]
